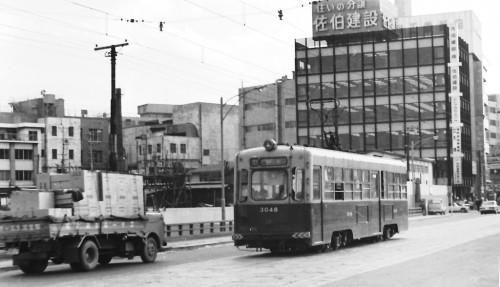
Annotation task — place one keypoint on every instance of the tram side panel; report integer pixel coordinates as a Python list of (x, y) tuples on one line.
[(360, 217), (395, 212)]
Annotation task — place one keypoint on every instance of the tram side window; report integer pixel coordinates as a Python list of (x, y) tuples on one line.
[(329, 183), (397, 186), (243, 177), (316, 183), (389, 184), (404, 193), (338, 173), (297, 184), (348, 184), (374, 188), (365, 186), (356, 177)]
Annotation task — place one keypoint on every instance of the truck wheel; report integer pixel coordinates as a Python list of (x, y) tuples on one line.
[(105, 259), (34, 266), (149, 251), (89, 255)]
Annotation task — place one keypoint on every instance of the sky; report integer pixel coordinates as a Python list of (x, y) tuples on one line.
[(205, 51)]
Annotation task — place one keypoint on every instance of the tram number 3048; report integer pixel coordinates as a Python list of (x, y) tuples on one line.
[(268, 209)]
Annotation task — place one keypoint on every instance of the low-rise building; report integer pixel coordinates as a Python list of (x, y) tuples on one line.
[(20, 146), (61, 148)]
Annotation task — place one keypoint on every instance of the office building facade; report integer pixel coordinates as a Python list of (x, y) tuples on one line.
[(391, 90)]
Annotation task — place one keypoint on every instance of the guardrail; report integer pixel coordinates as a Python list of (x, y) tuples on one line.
[(198, 228), (414, 211)]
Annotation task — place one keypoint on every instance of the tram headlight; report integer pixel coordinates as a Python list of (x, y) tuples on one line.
[(270, 144)]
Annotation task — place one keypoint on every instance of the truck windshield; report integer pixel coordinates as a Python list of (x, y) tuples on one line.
[(269, 185)]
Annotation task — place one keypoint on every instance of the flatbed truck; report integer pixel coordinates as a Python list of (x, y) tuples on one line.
[(82, 243)]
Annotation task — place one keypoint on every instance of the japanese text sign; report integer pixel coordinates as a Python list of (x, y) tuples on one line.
[(336, 17)]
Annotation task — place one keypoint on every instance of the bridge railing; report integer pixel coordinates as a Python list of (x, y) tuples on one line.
[(199, 228), (414, 211)]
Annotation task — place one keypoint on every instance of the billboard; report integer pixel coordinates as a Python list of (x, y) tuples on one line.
[(455, 95), (338, 17)]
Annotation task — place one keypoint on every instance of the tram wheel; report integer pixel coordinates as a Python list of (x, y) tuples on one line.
[(343, 239), (335, 245), (387, 233)]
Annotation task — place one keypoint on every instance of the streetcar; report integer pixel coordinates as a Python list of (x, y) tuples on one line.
[(290, 198)]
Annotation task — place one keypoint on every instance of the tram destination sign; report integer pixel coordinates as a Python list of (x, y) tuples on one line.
[(338, 17)]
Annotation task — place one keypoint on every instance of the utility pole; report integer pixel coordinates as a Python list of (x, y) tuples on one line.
[(115, 160)]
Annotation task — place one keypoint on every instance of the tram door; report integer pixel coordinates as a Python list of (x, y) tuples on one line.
[(375, 187), (317, 205)]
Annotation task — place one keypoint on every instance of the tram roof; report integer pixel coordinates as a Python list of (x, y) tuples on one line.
[(260, 151)]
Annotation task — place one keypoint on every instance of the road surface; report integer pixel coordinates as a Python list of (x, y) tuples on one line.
[(458, 250)]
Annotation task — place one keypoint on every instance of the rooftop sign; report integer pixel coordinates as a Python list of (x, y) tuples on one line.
[(337, 17)]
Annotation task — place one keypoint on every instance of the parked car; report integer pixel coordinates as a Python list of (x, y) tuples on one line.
[(460, 207), (436, 206), (489, 206)]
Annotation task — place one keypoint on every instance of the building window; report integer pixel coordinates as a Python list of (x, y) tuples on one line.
[(150, 149), (95, 135), (71, 154), (183, 148), (4, 154), (54, 131), (24, 174), (43, 153), (206, 152), (140, 149), (97, 156), (33, 135), (71, 131), (4, 174), (173, 148), (158, 148), (54, 154), (23, 154)]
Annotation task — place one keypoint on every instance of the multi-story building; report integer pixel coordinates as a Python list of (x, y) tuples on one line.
[(47, 106), (374, 86), (205, 117), (62, 148), (20, 147), (494, 139), (268, 112), (94, 143), (468, 27), (151, 148)]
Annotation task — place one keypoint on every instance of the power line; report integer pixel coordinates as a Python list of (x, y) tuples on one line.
[(234, 21)]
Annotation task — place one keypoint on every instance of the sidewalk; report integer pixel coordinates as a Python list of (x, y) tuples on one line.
[(186, 243)]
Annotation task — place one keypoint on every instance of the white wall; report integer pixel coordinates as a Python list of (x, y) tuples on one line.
[(196, 214)]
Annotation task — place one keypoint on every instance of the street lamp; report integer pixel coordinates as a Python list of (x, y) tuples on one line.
[(222, 168)]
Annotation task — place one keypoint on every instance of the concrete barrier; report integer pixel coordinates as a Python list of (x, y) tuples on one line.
[(196, 214)]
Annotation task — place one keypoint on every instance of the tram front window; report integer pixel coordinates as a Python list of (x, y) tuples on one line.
[(269, 185)]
